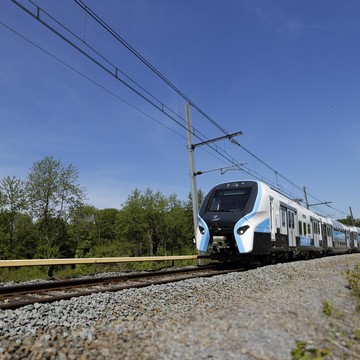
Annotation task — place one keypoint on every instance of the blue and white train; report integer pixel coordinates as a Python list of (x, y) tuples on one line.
[(249, 220)]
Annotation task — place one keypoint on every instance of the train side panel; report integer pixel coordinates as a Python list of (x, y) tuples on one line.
[(244, 218)]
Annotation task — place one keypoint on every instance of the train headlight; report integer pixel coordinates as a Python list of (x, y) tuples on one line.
[(202, 230), (242, 230)]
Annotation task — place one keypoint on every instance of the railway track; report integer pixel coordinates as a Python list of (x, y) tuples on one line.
[(13, 297)]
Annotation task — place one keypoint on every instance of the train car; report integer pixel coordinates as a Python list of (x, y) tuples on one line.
[(248, 220)]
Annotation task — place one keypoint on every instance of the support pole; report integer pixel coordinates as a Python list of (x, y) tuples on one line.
[(351, 216), (306, 198), (194, 193)]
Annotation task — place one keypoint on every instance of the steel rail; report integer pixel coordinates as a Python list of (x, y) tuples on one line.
[(62, 283), (28, 293)]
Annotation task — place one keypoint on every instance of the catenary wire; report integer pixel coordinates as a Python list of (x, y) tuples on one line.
[(160, 108), (114, 72), (146, 62), (101, 86), (195, 132), (91, 80), (119, 38)]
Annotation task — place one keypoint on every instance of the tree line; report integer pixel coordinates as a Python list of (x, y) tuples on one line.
[(46, 216)]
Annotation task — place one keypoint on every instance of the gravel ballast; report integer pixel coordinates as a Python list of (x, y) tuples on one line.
[(258, 314)]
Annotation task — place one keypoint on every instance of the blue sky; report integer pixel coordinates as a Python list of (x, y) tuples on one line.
[(286, 73)]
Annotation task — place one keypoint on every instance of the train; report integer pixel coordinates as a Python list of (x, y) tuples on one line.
[(250, 221)]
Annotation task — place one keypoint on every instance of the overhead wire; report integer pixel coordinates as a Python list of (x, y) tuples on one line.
[(91, 80), (126, 44), (119, 38), (111, 72), (37, 16), (159, 105), (104, 88), (83, 41)]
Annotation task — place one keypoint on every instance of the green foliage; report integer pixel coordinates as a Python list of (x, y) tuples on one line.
[(53, 193), (34, 213), (12, 202), (154, 224), (44, 217), (350, 221), (304, 352), (82, 229), (111, 249), (23, 273), (347, 337), (328, 308), (53, 189), (353, 278)]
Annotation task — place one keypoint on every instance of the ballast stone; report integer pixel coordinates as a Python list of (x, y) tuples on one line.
[(259, 313)]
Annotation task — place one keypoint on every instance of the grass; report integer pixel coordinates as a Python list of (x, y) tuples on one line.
[(349, 340), (20, 274), (304, 352), (328, 307), (353, 278)]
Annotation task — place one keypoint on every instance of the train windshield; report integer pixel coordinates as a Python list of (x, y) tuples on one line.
[(229, 200)]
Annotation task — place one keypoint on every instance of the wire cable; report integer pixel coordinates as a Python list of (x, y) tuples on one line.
[(146, 62), (111, 92), (119, 38), (141, 91)]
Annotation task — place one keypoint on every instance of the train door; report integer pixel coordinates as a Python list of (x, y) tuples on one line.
[(353, 236), (329, 236), (347, 238), (323, 237), (291, 227), (316, 232), (272, 219), (283, 221)]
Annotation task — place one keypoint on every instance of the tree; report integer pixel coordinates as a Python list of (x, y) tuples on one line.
[(105, 220), (350, 221), (131, 224), (179, 228), (155, 205), (12, 203), (154, 224), (54, 193), (82, 229), (26, 235)]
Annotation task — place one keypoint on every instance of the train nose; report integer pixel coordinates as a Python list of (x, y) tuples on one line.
[(214, 225)]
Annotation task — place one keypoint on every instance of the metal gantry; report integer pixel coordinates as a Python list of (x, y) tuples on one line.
[(191, 147)]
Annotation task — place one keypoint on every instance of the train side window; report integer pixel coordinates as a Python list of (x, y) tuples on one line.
[(328, 230), (300, 228), (283, 216), (290, 220), (304, 227), (316, 228), (309, 229)]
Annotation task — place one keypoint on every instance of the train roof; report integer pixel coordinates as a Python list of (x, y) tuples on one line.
[(324, 219)]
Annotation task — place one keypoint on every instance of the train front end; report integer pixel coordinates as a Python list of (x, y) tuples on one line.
[(229, 217)]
